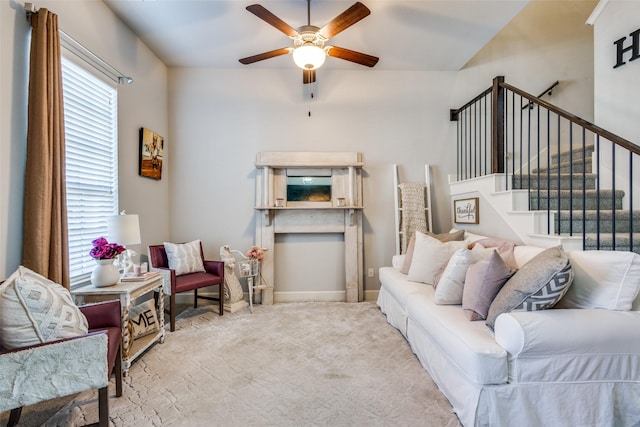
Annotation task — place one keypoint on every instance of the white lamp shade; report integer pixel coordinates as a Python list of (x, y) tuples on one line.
[(309, 57), (124, 230)]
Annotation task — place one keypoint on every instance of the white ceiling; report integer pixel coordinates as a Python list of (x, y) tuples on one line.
[(405, 35)]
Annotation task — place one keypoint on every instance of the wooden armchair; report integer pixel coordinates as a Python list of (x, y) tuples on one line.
[(175, 284), (71, 365)]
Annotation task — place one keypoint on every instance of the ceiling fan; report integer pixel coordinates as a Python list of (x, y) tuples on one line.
[(309, 50)]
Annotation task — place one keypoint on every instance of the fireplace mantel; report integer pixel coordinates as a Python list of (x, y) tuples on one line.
[(341, 213)]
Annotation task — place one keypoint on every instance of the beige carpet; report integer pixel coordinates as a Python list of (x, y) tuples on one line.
[(305, 364)]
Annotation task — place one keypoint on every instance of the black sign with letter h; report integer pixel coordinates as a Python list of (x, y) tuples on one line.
[(634, 47)]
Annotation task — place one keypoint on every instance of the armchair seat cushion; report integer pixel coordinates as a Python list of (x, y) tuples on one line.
[(72, 365), (189, 282), (114, 335)]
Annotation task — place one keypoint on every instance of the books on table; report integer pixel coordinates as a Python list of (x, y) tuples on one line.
[(139, 277)]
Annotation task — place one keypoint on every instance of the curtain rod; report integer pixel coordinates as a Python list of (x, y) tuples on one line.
[(82, 52)]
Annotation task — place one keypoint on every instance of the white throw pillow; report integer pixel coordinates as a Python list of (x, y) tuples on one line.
[(451, 284), (429, 257), (34, 310), (184, 257), (603, 279)]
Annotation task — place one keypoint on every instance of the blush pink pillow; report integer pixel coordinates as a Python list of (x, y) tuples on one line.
[(482, 283)]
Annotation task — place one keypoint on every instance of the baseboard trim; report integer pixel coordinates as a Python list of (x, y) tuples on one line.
[(310, 296), (371, 295), (284, 297)]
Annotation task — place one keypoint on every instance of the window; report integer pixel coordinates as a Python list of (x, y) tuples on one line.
[(90, 108)]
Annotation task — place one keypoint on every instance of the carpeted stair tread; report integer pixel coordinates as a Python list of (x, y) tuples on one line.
[(543, 181), (590, 199), (590, 219), (622, 242), (566, 167), (576, 153)]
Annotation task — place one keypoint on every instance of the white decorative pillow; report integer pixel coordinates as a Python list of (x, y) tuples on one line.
[(34, 310), (397, 261), (184, 257), (144, 319), (429, 257), (603, 279), (451, 283)]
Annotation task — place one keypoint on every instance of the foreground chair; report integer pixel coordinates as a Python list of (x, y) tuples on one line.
[(67, 366), (213, 275)]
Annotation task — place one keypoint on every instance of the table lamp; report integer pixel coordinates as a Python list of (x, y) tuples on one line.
[(124, 230)]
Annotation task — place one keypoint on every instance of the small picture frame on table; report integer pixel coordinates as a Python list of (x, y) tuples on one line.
[(151, 154), (465, 211)]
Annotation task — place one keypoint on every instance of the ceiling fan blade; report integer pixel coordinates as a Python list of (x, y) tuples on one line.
[(272, 19), (352, 55), (266, 55), (346, 19), (308, 76)]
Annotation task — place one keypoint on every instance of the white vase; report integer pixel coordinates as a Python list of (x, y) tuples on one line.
[(105, 273)]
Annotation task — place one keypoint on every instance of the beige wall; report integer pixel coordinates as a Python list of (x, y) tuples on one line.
[(616, 90), (215, 121), (547, 42), (220, 120), (142, 104)]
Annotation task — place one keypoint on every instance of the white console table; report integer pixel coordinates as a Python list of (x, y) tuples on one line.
[(127, 293)]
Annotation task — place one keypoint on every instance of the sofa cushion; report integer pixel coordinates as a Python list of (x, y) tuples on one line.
[(395, 292), (482, 283), (538, 285), (429, 256), (603, 279), (184, 258), (469, 346), (34, 310), (451, 283)]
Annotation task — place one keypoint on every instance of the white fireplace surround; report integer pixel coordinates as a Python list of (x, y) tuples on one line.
[(342, 214)]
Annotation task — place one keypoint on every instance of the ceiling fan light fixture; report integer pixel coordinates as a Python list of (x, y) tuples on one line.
[(309, 56)]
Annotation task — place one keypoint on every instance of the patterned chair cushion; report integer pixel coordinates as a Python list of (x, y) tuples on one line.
[(538, 285), (34, 310)]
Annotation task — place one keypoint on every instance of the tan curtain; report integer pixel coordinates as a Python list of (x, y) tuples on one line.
[(45, 243)]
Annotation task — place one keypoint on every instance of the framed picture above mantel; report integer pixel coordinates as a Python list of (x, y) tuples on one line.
[(151, 154), (465, 211)]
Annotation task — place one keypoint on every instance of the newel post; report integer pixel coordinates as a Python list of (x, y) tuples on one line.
[(497, 125)]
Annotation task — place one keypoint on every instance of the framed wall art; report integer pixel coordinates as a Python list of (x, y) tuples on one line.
[(465, 211), (151, 154)]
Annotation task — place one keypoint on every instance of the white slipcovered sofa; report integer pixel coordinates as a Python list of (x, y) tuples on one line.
[(552, 367)]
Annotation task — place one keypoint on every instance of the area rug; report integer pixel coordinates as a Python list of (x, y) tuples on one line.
[(302, 364)]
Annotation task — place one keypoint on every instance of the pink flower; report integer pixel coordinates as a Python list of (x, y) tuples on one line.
[(256, 252), (102, 249)]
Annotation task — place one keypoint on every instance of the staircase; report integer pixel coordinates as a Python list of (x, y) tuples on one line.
[(518, 153), (558, 189)]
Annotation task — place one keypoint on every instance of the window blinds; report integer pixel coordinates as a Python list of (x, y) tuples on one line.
[(90, 108)]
